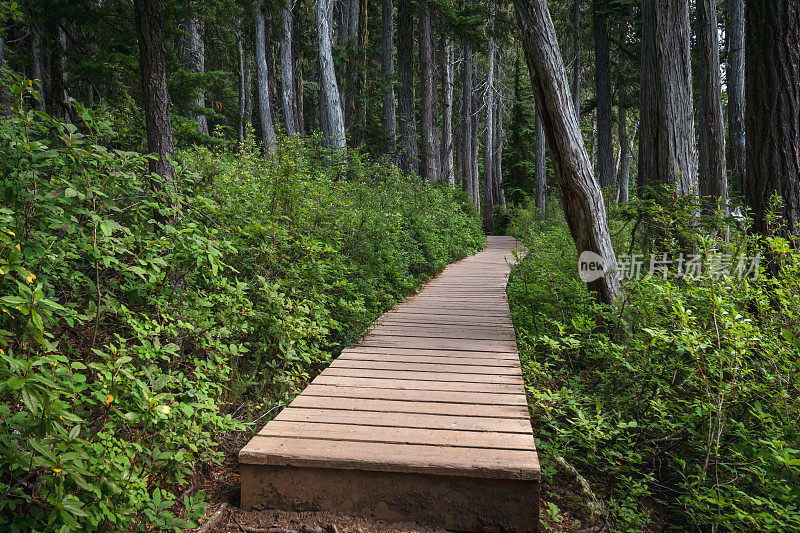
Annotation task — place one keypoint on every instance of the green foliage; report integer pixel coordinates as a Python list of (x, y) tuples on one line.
[(519, 157), (682, 405), (129, 320)]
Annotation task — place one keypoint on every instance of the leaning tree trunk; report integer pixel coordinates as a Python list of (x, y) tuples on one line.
[(429, 167), (715, 182), (196, 58), (448, 171), (773, 107), (405, 51), (576, 66), (262, 82), (37, 69), (605, 150), (466, 123), (540, 162), (734, 78), (625, 152), (387, 69), (580, 192), (667, 152), (331, 117), (288, 95)]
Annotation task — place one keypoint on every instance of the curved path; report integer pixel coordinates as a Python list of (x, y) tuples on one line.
[(425, 420)]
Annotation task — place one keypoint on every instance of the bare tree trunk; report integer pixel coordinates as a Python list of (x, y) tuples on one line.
[(361, 103), (734, 78), (37, 69), (448, 170), (196, 58), (466, 123), (5, 99), (331, 117), (605, 150), (242, 83), (473, 157), (715, 183), (667, 151), (409, 160), (580, 192), (387, 68), (58, 70), (262, 82), (773, 107), (499, 193), (488, 153), (248, 83), (625, 152), (288, 95), (576, 67), (429, 169), (150, 33), (540, 162)]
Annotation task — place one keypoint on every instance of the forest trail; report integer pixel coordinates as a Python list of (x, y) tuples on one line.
[(425, 420)]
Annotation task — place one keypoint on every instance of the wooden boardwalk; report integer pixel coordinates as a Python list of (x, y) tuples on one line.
[(425, 420)]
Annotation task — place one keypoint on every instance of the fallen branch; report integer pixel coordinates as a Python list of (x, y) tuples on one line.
[(596, 507), (211, 523)]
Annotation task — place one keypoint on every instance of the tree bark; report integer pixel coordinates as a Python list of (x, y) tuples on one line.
[(405, 50), (5, 99), (242, 86), (58, 70), (248, 82), (576, 67), (715, 183), (488, 153), (448, 170), (262, 82), (540, 165), (605, 151), (773, 107), (465, 161), (667, 151), (288, 94), (734, 74), (37, 69), (331, 118), (196, 58), (387, 68), (580, 192), (429, 169), (625, 152), (499, 193), (150, 34)]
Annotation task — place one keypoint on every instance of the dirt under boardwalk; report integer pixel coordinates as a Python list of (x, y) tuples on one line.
[(425, 420)]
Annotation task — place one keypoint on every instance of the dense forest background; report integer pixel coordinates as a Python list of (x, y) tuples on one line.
[(203, 202)]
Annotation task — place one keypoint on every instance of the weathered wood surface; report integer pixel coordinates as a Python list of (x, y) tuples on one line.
[(435, 391)]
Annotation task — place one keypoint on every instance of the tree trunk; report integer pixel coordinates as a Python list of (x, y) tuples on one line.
[(361, 104), (331, 118), (605, 151), (734, 74), (348, 33), (580, 192), (499, 193), (405, 51), (248, 84), (448, 171), (37, 69), (387, 68), (196, 58), (576, 66), (773, 107), (466, 123), (473, 156), (429, 169), (58, 70), (488, 152), (288, 95), (5, 99), (625, 152), (667, 152), (262, 82), (715, 182), (240, 130), (150, 34), (540, 162)]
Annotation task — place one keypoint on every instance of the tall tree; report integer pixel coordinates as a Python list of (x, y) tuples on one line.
[(152, 64), (667, 152), (602, 77), (37, 68), (715, 178), (58, 69), (576, 65), (242, 87), (580, 192), (734, 80), (488, 163), (540, 170), (429, 167), (196, 58), (5, 102), (449, 71), (389, 114), (262, 80), (465, 162), (288, 86), (625, 153), (772, 126), (405, 57), (331, 118)]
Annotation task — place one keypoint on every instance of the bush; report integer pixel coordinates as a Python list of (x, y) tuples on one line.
[(134, 314), (682, 406)]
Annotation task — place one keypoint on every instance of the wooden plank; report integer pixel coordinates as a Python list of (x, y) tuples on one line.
[(467, 345), (336, 391), (442, 460), (433, 353), (447, 361), (395, 435), (410, 384), (424, 367), (454, 332), (416, 420), (400, 406), (423, 376)]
